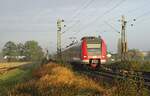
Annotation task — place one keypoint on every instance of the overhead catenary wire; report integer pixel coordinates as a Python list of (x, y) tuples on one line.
[(135, 10), (78, 13), (106, 12), (143, 15), (138, 18), (111, 27), (79, 21)]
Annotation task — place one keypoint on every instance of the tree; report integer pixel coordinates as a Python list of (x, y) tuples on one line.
[(1, 56), (33, 51), (135, 54), (10, 49), (148, 56), (20, 49)]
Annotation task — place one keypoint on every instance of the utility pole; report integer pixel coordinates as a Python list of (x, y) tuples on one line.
[(124, 47), (59, 29)]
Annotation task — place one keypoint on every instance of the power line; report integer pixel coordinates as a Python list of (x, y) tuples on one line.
[(143, 15), (106, 12), (137, 8), (78, 13), (112, 27), (140, 17), (78, 22), (80, 9), (70, 27)]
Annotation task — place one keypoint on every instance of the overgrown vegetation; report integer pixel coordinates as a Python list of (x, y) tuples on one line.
[(10, 78), (130, 65), (130, 86), (12, 64), (56, 80)]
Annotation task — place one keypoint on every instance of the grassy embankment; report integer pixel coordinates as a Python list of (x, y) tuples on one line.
[(12, 77), (132, 84), (12, 64), (57, 80), (130, 65)]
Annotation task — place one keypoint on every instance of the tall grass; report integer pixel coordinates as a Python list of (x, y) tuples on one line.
[(130, 65), (133, 83), (130, 86), (56, 80), (12, 64), (12, 77)]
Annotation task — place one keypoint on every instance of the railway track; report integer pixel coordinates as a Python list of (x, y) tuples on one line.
[(144, 76), (114, 75)]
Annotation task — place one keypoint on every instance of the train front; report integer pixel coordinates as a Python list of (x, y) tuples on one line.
[(93, 51)]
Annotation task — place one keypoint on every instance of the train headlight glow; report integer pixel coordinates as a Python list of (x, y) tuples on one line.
[(84, 56), (94, 56)]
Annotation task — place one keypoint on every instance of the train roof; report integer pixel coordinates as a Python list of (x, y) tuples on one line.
[(90, 38)]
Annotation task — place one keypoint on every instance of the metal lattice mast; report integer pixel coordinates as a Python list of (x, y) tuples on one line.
[(59, 28), (124, 47)]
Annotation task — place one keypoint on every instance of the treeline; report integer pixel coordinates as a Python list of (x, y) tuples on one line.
[(133, 55), (136, 54), (130, 66), (28, 51)]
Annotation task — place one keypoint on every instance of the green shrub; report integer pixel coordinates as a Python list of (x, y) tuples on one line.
[(130, 86), (130, 65), (145, 66)]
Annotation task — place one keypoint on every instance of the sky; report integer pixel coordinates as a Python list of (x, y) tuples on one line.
[(23, 20)]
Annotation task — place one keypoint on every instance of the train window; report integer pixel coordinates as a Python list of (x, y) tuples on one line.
[(93, 49), (93, 45)]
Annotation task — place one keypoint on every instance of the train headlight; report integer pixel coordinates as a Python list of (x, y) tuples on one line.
[(108, 55), (103, 56), (84, 56)]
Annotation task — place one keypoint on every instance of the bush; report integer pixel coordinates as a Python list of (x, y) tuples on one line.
[(145, 66), (130, 65), (130, 86)]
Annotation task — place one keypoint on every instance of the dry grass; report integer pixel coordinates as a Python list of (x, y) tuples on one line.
[(7, 66), (11, 64), (56, 80)]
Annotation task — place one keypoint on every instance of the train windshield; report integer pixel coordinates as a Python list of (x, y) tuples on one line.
[(94, 49)]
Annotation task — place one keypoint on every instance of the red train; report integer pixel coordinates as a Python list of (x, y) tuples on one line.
[(91, 51)]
